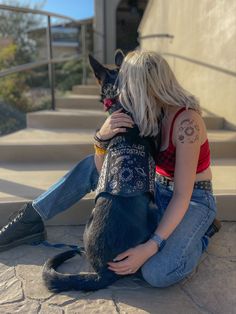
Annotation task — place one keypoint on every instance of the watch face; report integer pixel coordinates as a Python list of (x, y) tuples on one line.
[(160, 242)]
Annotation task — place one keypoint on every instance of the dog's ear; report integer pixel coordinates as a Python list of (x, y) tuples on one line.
[(98, 69), (119, 57)]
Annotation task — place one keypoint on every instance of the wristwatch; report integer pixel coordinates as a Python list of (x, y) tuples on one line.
[(159, 241)]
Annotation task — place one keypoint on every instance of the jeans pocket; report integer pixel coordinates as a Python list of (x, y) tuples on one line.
[(211, 201), (201, 197), (162, 197)]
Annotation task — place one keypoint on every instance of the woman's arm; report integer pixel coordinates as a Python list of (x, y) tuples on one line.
[(117, 122), (99, 161), (187, 139)]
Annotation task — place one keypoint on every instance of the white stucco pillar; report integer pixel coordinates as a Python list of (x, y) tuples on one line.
[(111, 7), (105, 29), (98, 28)]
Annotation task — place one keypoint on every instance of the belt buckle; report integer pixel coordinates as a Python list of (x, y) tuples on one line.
[(171, 183), (163, 180), (167, 182)]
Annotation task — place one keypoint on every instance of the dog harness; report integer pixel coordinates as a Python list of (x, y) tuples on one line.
[(166, 159), (128, 168)]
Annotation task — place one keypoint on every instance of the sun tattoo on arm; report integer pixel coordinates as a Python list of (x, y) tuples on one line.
[(188, 131)]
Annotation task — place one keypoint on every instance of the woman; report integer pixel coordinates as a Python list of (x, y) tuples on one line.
[(148, 88)]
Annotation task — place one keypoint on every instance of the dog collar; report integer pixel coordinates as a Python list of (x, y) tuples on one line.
[(108, 102)]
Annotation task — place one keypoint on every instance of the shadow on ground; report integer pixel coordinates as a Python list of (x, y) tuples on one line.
[(210, 289)]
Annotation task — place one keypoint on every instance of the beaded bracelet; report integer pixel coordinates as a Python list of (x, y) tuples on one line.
[(100, 142), (99, 138)]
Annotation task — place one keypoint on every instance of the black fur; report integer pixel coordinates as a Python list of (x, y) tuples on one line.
[(117, 222)]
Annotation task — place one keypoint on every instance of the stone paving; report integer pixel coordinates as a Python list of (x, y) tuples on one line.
[(210, 289)]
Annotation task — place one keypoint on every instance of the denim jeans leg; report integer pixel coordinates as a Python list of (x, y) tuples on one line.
[(185, 245), (68, 190)]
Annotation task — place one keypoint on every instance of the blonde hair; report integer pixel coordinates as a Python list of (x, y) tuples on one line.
[(147, 87)]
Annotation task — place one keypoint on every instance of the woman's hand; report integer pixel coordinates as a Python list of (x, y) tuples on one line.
[(117, 122), (133, 259)]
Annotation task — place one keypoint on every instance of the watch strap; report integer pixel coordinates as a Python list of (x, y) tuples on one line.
[(159, 241)]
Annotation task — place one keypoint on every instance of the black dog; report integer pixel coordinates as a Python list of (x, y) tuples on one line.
[(125, 213)]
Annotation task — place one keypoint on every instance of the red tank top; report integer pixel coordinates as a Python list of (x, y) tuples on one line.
[(166, 159)]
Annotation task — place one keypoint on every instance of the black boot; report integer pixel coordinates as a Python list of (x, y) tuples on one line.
[(26, 227), (214, 227)]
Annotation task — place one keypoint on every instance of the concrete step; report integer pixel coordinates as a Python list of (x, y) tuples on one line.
[(224, 186), (78, 214), (66, 119), (222, 143), (87, 118), (31, 145), (91, 80), (86, 90), (214, 123), (34, 145), (20, 183), (88, 102), (92, 102)]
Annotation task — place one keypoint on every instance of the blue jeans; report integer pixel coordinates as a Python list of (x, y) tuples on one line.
[(81, 180), (183, 248), (186, 244)]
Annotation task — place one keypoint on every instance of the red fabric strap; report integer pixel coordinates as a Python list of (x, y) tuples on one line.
[(166, 159)]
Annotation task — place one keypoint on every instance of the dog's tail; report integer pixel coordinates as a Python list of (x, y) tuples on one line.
[(58, 282)]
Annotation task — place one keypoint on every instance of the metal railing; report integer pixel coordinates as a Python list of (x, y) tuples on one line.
[(50, 60), (203, 64)]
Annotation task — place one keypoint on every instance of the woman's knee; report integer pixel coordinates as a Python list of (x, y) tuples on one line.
[(159, 278)]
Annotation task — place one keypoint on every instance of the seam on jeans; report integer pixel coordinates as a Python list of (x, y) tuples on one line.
[(71, 194), (159, 195), (212, 202), (35, 206), (62, 200), (195, 231), (68, 196)]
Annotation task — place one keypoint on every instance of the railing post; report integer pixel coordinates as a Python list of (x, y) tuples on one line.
[(50, 64), (84, 52)]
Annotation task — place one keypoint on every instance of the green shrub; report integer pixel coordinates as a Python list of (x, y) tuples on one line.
[(12, 87), (38, 77), (69, 74), (11, 119)]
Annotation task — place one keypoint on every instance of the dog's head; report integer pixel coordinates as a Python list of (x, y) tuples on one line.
[(108, 80)]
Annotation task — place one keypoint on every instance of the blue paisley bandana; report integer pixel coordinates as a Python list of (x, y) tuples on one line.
[(128, 168)]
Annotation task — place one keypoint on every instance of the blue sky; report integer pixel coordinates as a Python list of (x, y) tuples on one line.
[(78, 9)]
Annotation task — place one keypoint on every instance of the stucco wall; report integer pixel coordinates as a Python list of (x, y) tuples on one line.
[(204, 34)]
